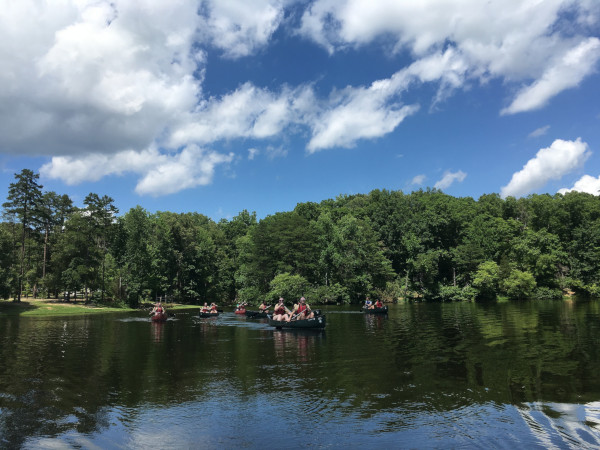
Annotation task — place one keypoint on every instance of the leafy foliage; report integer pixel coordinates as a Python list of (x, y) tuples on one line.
[(385, 244)]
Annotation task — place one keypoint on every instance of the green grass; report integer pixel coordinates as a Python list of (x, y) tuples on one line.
[(48, 308), (37, 308)]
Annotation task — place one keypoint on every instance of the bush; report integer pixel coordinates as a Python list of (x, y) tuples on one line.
[(519, 284), (290, 287), (457, 294), (328, 294), (250, 295), (545, 293)]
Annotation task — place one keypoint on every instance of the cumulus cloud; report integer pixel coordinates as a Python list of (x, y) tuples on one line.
[(119, 85), (449, 178), (566, 73), (516, 40), (240, 27), (550, 163), (161, 174), (586, 184), (418, 180)]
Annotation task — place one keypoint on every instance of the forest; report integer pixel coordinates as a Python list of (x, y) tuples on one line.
[(423, 245)]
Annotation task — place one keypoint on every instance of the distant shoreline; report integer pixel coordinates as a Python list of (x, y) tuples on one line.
[(51, 307)]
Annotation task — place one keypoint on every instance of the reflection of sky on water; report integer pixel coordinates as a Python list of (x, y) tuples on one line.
[(230, 421)]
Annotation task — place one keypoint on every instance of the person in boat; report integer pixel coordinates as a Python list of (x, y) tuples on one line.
[(280, 312), (378, 304), (158, 309), (213, 308), (368, 303), (205, 308), (264, 308), (302, 310), (241, 306)]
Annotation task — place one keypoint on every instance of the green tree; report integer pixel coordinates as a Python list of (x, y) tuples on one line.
[(486, 280), (23, 198), (519, 284)]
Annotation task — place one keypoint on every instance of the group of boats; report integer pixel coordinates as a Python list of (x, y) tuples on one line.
[(319, 321)]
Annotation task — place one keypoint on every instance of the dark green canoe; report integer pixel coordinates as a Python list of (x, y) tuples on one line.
[(383, 310), (205, 314), (316, 323)]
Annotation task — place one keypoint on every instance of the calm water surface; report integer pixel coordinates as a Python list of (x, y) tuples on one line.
[(424, 376)]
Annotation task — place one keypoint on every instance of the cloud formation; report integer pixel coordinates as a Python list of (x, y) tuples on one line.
[(161, 174), (550, 163), (449, 178), (113, 86), (586, 184), (515, 40)]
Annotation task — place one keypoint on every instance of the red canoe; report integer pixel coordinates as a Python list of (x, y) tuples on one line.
[(240, 311), (159, 317)]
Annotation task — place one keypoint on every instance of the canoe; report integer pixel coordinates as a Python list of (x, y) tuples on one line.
[(240, 311), (383, 310), (159, 317), (317, 323), (256, 314), (207, 314)]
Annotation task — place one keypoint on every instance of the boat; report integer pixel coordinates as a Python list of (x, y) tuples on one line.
[(208, 314), (256, 314), (382, 310), (240, 311), (159, 317), (317, 323)]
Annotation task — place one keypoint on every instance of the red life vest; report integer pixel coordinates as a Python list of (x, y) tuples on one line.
[(213, 308), (301, 308), (280, 309), (378, 304)]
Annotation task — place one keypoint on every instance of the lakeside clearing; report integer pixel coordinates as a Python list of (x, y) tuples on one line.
[(53, 307)]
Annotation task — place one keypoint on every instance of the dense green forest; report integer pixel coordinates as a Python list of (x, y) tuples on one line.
[(385, 244)]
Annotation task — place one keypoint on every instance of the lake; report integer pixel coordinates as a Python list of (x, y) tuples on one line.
[(427, 375)]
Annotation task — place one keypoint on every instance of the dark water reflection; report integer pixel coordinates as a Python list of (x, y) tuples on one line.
[(425, 376)]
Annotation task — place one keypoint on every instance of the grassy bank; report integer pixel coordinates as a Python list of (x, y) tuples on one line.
[(52, 307)]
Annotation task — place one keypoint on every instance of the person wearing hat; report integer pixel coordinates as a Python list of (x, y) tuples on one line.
[(281, 312), (302, 310)]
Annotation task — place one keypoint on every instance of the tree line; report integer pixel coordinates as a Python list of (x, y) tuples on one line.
[(385, 244)]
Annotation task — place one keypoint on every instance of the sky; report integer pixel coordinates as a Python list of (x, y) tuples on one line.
[(216, 106)]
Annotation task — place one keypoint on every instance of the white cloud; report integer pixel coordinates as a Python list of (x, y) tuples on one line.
[(586, 184), (107, 82), (418, 180), (550, 163), (539, 131), (449, 178), (252, 152), (568, 72), (240, 27), (161, 174), (516, 40)]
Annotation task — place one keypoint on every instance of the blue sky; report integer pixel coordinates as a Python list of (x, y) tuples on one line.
[(219, 106)]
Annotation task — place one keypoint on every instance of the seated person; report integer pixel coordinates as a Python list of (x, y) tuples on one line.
[(378, 304), (302, 310), (263, 307), (368, 303), (281, 312), (158, 309), (213, 308), (205, 308)]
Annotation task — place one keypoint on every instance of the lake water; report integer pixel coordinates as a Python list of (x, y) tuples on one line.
[(424, 376)]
